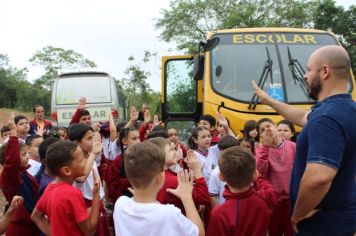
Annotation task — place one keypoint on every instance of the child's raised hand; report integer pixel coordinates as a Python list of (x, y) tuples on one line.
[(96, 186), (185, 185), (97, 148), (82, 103), (40, 132), (267, 137), (11, 124), (222, 120), (97, 127), (192, 161), (16, 202)]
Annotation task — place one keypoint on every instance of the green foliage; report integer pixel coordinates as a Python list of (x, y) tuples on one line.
[(52, 59), (188, 21), (342, 22), (16, 91), (183, 98), (181, 89), (135, 87)]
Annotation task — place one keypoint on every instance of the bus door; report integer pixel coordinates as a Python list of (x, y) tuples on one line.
[(182, 95)]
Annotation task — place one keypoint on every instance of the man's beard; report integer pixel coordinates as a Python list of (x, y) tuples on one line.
[(314, 88)]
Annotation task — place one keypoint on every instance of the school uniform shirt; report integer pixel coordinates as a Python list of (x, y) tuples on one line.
[(216, 187), (87, 186), (150, 219), (106, 146), (246, 213), (23, 138), (117, 180), (34, 167), (275, 164), (214, 137), (182, 151), (76, 117), (15, 180), (208, 160), (200, 191), (114, 150), (65, 208)]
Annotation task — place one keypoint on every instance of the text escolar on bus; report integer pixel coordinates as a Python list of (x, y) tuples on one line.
[(219, 76)]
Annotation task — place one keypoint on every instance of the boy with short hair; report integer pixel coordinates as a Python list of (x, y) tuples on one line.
[(4, 132), (22, 127), (209, 122), (43, 177), (81, 115), (91, 147), (216, 186), (247, 209), (142, 214), (33, 142), (62, 203)]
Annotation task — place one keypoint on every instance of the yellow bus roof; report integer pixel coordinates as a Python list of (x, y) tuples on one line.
[(272, 29)]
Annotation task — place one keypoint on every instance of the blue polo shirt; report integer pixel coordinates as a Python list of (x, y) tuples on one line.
[(329, 138)]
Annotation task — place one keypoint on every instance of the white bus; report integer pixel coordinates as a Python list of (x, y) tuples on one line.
[(100, 90)]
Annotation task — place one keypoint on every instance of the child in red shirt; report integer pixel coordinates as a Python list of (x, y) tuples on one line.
[(247, 209), (81, 115), (116, 175), (89, 143), (200, 190), (15, 180), (63, 204)]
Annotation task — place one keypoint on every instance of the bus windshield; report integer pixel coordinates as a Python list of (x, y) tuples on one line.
[(242, 57), (95, 88)]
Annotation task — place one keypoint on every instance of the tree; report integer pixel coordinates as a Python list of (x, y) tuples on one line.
[(342, 22), (12, 80), (187, 21), (135, 87), (53, 59)]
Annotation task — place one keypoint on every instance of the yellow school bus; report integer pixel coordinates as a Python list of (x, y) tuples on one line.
[(219, 77)]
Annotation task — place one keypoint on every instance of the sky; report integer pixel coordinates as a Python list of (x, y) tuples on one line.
[(107, 32)]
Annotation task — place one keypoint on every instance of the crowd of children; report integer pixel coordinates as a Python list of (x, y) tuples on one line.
[(138, 178)]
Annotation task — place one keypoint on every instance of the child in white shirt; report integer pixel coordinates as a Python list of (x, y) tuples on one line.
[(142, 214)]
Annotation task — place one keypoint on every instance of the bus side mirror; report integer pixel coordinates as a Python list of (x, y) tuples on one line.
[(211, 44), (198, 69)]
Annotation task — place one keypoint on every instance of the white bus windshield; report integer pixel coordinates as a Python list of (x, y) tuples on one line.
[(241, 57), (71, 88)]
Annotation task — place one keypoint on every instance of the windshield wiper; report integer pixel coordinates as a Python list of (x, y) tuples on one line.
[(297, 72), (267, 70)]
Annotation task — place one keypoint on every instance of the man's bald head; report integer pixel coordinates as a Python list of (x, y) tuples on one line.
[(336, 57)]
